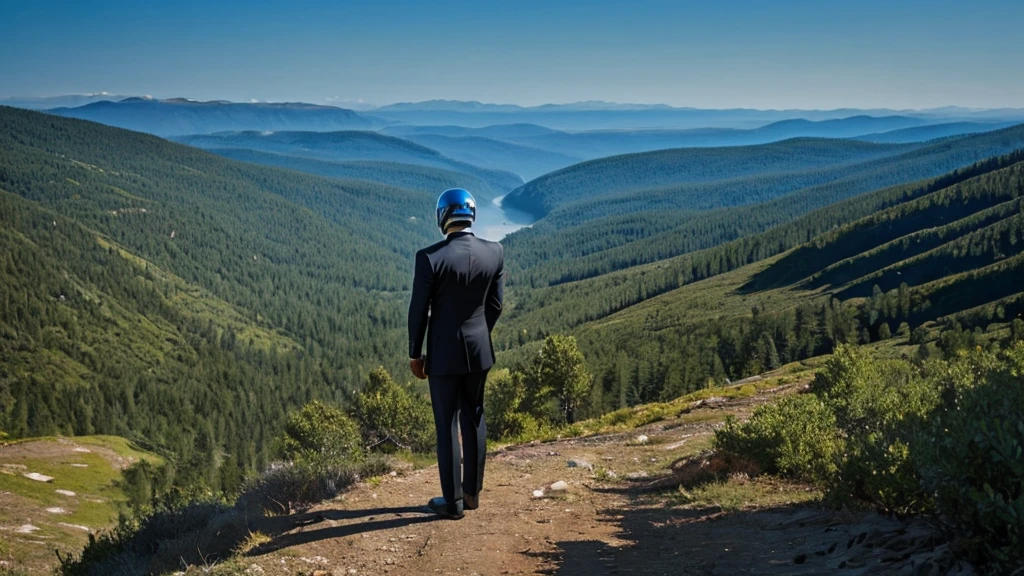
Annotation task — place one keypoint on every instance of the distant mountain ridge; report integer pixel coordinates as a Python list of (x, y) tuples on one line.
[(597, 114), (59, 101), (180, 116)]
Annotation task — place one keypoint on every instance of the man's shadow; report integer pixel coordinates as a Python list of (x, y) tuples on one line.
[(288, 533)]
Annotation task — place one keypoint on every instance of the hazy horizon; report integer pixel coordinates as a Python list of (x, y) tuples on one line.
[(369, 106), (736, 54)]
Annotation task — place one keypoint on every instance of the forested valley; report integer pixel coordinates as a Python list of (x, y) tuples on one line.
[(191, 302)]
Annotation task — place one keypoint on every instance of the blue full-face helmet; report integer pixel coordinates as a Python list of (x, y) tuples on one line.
[(455, 205)]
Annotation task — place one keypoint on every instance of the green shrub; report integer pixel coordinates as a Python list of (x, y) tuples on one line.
[(946, 437), (879, 405), (321, 437), (503, 397), (392, 416), (796, 436), (973, 458)]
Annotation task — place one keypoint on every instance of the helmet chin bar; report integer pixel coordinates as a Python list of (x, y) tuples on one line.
[(453, 222)]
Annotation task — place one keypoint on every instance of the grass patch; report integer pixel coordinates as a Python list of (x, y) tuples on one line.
[(252, 541), (741, 493), (92, 476), (626, 419)]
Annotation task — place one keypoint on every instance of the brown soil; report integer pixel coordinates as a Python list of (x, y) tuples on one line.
[(601, 525)]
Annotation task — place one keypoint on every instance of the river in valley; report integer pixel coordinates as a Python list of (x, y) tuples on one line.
[(494, 221)]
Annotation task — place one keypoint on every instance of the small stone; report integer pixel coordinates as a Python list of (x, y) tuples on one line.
[(538, 493), (26, 529), (611, 474), (38, 477), (64, 492), (636, 475), (559, 486), (642, 439), (56, 510), (79, 465), (580, 464)]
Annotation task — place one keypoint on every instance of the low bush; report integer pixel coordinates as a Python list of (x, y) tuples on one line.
[(879, 407), (972, 458), (321, 437), (945, 437), (392, 416), (796, 436)]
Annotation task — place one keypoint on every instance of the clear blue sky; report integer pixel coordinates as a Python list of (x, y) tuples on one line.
[(718, 53)]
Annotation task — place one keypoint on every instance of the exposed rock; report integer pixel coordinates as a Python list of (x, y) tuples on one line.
[(75, 526), (580, 464), (713, 402), (538, 493), (56, 510), (559, 486), (26, 529), (642, 439), (66, 493), (38, 477)]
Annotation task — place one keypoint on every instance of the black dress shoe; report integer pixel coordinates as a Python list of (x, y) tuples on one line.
[(471, 501), (445, 509)]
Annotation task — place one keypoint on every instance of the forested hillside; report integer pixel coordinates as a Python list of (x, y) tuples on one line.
[(567, 245), (878, 265), (409, 176), (933, 132), (525, 161), (187, 301), (630, 175), (349, 146)]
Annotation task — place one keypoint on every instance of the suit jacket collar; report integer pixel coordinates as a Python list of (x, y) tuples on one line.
[(459, 233)]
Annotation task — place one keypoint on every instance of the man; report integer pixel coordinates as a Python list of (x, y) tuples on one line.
[(457, 292)]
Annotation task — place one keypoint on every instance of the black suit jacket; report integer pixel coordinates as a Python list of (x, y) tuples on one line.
[(458, 292)]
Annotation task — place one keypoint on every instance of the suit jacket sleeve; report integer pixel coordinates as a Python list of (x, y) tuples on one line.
[(419, 307), (496, 295)]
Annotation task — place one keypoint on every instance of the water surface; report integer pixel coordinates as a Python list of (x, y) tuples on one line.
[(494, 221)]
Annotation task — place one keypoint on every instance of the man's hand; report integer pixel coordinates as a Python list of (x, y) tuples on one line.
[(418, 367)]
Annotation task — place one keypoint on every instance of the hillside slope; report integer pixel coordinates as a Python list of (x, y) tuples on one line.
[(525, 161), (84, 497), (424, 179), (951, 248), (350, 146), (161, 292), (632, 174), (588, 238)]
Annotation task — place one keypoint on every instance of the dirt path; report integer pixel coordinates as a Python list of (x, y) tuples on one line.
[(605, 523)]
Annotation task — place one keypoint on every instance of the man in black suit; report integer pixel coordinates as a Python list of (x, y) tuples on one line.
[(457, 292)]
